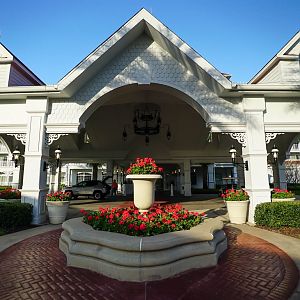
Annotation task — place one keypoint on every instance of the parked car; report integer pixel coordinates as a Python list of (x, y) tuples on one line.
[(96, 188)]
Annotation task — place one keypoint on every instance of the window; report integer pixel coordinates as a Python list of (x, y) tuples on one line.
[(83, 176)]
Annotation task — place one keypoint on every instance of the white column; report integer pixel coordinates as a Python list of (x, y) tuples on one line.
[(16, 177), (181, 179), (57, 178), (211, 176), (95, 171), (109, 170), (36, 154), (282, 176), (255, 153), (187, 177)]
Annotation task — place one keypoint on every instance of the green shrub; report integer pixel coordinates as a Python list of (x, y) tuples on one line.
[(2, 187), (278, 214), (14, 215)]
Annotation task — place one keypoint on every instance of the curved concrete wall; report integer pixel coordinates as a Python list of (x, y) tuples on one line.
[(142, 258)]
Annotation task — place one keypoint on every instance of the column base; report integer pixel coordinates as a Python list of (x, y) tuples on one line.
[(37, 198), (187, 190), (257, 196)]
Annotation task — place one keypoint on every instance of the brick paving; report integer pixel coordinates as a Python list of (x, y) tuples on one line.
[(251, 269)]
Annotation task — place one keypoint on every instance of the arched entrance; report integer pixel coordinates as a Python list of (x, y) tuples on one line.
[(180, 144)]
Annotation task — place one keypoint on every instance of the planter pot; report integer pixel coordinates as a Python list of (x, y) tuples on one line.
[(57, 211), (143, 190), (238, 211), (283, 199)]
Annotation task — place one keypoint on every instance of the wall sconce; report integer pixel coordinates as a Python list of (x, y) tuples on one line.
[(232, 152), (169, 133), (124, 134), (57, 156), (16, 156)]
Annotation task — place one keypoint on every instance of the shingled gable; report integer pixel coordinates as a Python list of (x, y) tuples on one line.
[(13, 72), (143, 22), (272, 72)]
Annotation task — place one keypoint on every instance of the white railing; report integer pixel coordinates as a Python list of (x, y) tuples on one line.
[(7, 163)]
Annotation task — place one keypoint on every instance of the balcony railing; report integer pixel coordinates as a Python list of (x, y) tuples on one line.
[(7, 164)]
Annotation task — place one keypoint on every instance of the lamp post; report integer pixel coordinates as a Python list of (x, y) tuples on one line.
[(275, 153), (57, 156), (233, 152), (16, 156)]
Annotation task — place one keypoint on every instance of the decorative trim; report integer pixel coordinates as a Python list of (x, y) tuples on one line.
[(271, 136), (51, 137), (239, 136), (19, 137)]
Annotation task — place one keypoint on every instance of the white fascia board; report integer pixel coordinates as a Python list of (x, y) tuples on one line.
[(226, 127), (17, 92), (282, 127), (143, 15), (13, 128), (63, 128), (268, 87)]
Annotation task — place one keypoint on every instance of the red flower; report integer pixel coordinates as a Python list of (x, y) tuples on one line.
[(143, 226), (90, 218)]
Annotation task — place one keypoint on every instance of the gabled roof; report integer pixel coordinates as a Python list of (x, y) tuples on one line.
[(6, 56), (143, 22), (290, 51)]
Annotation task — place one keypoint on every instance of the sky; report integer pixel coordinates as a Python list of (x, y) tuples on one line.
[(236, 36)]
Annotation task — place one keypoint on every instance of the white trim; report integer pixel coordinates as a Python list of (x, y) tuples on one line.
[(282, 127), (59, 128), (13, 128), (226, 127)]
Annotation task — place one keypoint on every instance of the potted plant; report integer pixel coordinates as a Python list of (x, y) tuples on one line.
[(279, 195), (237, 202), (144, 173), (58, 204)]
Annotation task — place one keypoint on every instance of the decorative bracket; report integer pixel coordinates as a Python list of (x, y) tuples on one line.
[(51, 137), (239, 136), (19, 137), (271, 136)]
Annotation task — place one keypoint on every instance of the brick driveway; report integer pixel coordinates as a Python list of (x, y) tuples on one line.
[(251, 269)]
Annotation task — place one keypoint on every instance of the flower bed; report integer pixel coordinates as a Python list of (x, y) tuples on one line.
[(282, 194), (59, 196), (145, 165), (235, 195), (10, 193), (159, 219)]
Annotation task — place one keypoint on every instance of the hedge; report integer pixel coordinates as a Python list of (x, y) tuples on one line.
[(4, 187), (14, 215), (278, 214)]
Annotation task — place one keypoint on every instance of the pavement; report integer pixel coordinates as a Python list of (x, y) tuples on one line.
[(258, 265)]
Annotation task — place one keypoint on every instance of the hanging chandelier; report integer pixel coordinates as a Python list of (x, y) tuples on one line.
[(146, 121)]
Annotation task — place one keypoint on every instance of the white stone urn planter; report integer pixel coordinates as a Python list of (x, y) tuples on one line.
[(283, 199), (143, 190), (238, 211), (57, 211)]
